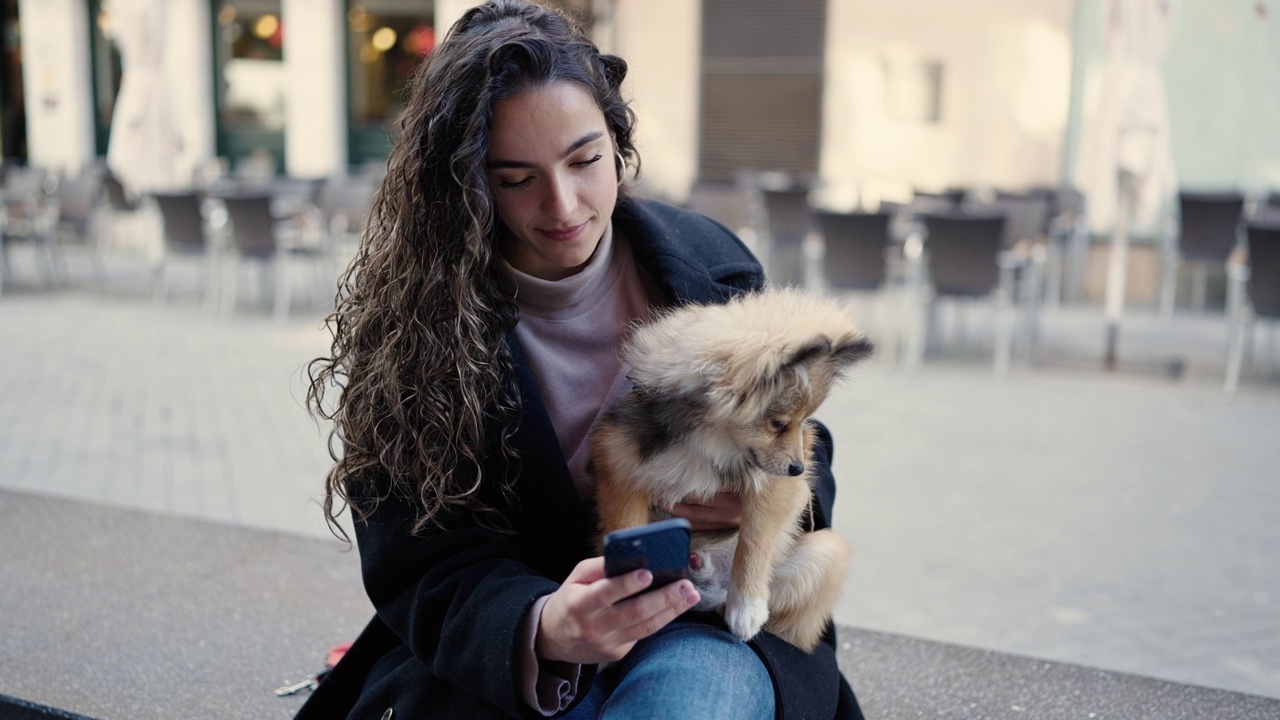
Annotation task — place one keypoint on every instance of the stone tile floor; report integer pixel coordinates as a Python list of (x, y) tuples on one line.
[(1125, 520)]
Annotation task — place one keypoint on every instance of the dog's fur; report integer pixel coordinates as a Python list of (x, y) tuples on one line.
[(720, 399)]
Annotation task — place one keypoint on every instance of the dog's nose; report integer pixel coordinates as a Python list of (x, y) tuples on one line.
[(795, 468)]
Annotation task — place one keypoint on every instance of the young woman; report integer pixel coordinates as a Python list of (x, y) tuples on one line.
[(474, 344)]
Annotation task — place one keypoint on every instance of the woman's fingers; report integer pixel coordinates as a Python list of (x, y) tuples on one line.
[(722, 512), (594, 620), (643, 615)]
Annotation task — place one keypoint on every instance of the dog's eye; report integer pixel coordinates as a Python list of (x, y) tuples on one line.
[(778, 425)]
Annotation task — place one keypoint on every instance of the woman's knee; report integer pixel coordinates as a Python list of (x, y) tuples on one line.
[(691, 670)]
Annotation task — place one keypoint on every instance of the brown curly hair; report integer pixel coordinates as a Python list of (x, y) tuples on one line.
[(419, 355)]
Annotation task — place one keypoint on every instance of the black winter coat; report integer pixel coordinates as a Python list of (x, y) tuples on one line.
[(445, 640)]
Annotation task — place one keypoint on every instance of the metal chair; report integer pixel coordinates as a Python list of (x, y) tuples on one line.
[(28, 216), (964, 261), (184, 237), (1068, 247), (344, 204), (1026, 217), (1208, 230), (727, 203), (79, 206), (860, 257), (787, 221), (1253, 291), (257, 237), (857, 249)]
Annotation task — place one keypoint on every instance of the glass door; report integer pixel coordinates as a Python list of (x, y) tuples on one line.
[(249, 82), (385, 41)]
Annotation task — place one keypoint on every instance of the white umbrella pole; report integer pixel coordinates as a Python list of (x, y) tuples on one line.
[(1117, 266)]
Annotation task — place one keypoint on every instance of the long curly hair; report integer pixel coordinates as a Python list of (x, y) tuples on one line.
[(419, 358)]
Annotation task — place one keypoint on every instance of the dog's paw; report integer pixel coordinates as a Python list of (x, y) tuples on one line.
[(745, 616)]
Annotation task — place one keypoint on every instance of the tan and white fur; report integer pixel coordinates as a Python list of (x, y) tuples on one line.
[(720, 399)]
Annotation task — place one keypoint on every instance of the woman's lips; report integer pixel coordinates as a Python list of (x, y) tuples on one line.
[(564, 234)]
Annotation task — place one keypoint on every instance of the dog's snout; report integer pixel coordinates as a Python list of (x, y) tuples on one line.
[(795, 468)]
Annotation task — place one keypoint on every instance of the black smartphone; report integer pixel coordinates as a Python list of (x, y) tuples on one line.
[(662, 547)]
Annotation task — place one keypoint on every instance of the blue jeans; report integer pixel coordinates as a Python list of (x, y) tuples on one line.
[(685, 670)]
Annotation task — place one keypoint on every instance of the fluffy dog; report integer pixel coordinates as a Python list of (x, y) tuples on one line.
[(720, 399)]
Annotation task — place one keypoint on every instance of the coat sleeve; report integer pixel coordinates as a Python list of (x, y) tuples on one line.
[(455, 596), (824, 486)]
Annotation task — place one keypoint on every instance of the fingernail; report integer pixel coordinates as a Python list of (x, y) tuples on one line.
[(645, 577), (690, 594)]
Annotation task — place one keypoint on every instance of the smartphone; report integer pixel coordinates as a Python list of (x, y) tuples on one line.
[(662, 547)]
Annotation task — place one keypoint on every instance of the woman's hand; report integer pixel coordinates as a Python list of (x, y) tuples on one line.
[(722, 512), (588, 620)]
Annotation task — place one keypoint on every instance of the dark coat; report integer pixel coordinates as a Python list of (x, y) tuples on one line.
[(445, 640)]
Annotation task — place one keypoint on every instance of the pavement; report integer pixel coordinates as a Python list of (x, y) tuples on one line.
[(1122, 519)]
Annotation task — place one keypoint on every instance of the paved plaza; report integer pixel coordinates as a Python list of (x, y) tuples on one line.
[(1125, 520)]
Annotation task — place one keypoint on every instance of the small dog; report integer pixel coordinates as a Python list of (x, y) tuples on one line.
[(720, 399)]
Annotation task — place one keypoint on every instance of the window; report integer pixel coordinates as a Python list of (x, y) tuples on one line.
[(386, 39), (249, 87)]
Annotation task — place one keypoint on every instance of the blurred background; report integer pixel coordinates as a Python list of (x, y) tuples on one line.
[(1058, 219)]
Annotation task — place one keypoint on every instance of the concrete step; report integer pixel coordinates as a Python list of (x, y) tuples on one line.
[(109, 613)]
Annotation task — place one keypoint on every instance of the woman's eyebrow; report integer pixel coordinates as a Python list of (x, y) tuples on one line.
[(584, 140)]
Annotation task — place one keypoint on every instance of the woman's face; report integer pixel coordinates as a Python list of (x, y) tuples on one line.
[(550, 164)]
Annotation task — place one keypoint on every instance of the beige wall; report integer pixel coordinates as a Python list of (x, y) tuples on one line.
[(315, 88), (660, 40), (55, 76), (1005, 94)]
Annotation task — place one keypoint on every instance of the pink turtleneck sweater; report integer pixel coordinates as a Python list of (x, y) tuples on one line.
[(570, 331)]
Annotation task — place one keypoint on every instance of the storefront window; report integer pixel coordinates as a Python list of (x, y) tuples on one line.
[(249, 43), (385, 41)]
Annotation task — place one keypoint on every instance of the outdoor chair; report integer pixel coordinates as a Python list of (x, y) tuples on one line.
[(79, 208), (1067, 232), (1026, 218), (184, 238), (950, 198), (727, 203), (1253, 291), (964, 262), (1267, 207), (344, 204), (857, 249), (787, 221), (861, 258), (1208, 230), (258, 237), (28, 216)]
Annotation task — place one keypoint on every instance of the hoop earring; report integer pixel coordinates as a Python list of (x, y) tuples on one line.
[(622, 166)]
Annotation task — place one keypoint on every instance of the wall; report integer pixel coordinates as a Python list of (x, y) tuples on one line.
[(448, 12), (55, 75), (315, 88), (1004, 102), (659, 39), (1222, 74), (190, 66)]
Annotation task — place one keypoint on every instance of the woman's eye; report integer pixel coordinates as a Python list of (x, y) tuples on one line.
[(592, 161), (510, 184)]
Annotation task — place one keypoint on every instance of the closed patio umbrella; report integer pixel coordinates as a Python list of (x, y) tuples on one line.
[(145, 137), (1126, 164)]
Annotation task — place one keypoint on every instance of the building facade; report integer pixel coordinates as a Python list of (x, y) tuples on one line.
[(868, 99)]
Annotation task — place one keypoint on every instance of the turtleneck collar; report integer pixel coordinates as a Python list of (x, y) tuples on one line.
[(567, 297)]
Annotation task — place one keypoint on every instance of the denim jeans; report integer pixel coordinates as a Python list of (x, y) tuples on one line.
[(685, 670)]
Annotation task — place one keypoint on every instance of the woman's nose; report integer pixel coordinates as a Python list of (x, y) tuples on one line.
[(559, 200)]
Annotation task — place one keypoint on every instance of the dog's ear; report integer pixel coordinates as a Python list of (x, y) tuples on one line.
[(807, 353), (852, 350)]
